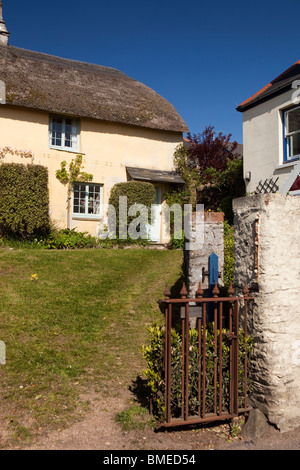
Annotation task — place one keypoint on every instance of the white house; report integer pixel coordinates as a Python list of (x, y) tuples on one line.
[(271, 135)]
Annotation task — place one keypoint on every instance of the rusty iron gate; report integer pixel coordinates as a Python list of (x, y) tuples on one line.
[(225, 310)]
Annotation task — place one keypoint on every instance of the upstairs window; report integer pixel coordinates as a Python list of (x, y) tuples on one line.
[(87, 200), (64, 133), (292, 134)]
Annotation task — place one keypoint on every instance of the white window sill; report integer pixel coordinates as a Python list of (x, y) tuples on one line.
[(86, 217), (62, 149), (287, 164)]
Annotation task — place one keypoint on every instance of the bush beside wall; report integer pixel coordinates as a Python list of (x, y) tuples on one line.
[(24, 200), (137, 192)]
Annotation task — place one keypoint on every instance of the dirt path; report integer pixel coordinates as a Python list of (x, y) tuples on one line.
[(98, 430)]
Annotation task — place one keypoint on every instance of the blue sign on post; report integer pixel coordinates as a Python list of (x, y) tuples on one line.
[(213, 269)]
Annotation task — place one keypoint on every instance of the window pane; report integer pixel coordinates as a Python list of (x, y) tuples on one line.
[(68, 133), (79, 193), (68, 141), (56, 131), (57, 123), (294, 145), (94, 199), (82, 206), (293, 120)]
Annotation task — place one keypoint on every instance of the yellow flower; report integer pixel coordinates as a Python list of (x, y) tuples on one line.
[(34, 277)]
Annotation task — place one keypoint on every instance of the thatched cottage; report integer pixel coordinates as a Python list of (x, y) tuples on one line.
[(57, 108)]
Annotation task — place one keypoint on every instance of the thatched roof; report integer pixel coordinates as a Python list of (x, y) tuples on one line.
[(62, 86)]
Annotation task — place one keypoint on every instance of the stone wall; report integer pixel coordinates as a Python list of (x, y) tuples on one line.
[(267, 256), (209, 239)]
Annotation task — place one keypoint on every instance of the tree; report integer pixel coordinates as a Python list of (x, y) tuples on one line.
[(212, 171), (68, 177), (208, 150)]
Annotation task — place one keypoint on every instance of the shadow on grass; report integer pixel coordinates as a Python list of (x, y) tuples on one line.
[(140, 389)]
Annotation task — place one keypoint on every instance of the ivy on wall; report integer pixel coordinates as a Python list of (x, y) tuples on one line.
[(74, 174)]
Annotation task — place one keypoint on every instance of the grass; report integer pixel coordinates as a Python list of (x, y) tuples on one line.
[(74, 319), (134, 417)]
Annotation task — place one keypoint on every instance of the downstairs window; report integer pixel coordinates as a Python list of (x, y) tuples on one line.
[(87, 200)]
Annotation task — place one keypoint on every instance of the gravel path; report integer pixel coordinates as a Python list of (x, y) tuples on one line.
[(98, 430)]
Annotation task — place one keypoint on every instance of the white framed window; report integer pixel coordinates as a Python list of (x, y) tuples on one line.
[(64, 133), (291, 120), (87, 200)]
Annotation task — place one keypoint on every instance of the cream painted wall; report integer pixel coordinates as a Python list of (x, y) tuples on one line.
[(107, 149), (263, 141)]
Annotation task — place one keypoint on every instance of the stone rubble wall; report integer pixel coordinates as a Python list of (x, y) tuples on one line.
[(267, 256), (207, 237)]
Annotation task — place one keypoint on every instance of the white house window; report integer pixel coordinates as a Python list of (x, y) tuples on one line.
[(64, 133), (292, 133), (87, 200)]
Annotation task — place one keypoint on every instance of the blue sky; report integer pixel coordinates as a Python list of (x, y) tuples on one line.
[(203, 57)]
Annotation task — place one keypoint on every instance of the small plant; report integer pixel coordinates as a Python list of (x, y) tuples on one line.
[(134, 417), (236, 427), (21, 433)]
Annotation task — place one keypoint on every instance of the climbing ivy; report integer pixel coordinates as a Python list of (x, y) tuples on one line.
[(67, 177)]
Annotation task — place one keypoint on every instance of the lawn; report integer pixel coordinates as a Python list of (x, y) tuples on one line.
[(74, 319)]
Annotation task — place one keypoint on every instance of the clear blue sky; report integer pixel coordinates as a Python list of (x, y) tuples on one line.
[(203, 57)]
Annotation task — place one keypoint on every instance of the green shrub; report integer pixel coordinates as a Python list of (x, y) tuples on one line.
[(68, 239), (24, 200), (59, 239), (154, 353), (137, 192), (178, 240)]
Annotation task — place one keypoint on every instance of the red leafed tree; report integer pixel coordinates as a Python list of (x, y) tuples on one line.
[(209, 149)]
